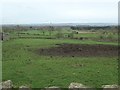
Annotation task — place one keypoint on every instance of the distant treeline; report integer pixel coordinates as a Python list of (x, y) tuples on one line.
[(92, 27), (81, 27)]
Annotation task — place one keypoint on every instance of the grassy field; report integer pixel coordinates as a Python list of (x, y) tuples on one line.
[(25, 67)]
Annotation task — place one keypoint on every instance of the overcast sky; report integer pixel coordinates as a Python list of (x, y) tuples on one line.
[(59, 11)]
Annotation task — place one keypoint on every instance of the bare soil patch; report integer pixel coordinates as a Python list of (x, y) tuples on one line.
[(79, 50)]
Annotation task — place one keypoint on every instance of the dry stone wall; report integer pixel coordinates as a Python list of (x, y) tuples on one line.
[(8, 85)]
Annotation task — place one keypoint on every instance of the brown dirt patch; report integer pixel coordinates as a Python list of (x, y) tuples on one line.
[(79, 50)]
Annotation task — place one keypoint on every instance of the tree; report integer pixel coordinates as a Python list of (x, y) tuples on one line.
[(51, 28)]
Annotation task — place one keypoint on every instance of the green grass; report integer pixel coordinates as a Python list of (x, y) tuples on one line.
[(48, 42), (89, 35), (24, 67), (59, 71), (96, 36)]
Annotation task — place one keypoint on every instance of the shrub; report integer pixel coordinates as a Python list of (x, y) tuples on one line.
[(59, 35), (71, 35)]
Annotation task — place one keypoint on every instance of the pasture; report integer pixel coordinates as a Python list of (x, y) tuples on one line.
[(50, 57)]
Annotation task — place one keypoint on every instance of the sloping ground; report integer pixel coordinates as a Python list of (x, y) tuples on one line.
[(80, 50)]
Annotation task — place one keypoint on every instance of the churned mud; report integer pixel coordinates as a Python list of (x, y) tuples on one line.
[(79, 50)]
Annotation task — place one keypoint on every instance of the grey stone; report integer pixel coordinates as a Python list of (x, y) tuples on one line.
[(24, 88), (52, 88), (78, 86), (110, 87), (6, 85)]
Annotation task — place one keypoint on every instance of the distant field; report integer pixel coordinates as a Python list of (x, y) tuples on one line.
[(24, 66), (75, 34)]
